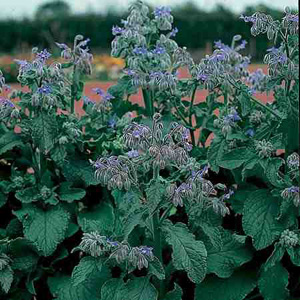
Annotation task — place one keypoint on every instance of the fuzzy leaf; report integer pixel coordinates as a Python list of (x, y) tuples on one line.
[(235, 158), (215, 153), (70, 194), (175, 294), (139, 289), (294, 254), (259, 218), (154, 195), (28, 195), (236, 287), (271, 171), (6, 278), (100, 219), (233, 254), (275, 257), (8, 141), (112, 289), (272, 283), (24, 254), (44, 131), (188, 254), (156, 268), (45, 228), (85, 268)]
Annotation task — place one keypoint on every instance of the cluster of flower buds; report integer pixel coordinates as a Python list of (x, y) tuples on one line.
[(264, 148), (97, 245), (163, 17), (290, 21), (262, 23), (44, 96), (104, 105), (71, 130), (79, 55), (197, 188), (115, 172), (227, 122), (292, 193), (3, 85), (158, 149), (289, 239), (293, 161), (8, 109), (256, 117)]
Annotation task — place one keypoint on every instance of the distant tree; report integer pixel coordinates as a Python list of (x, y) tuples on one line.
[(53, 10)]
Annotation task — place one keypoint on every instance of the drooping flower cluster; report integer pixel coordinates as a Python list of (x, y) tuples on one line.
[(158, 149), (199, 189), (96, 245), (293, 161), (257, 81), (8, 109), (226, 62), (292, 193), (227, 122), (150, 63), (79, 55), (115, 172)]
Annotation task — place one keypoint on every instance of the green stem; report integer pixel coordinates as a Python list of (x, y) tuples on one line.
[(73, 90), (192, 131), (158, 249), (165, 214), (148, 103)]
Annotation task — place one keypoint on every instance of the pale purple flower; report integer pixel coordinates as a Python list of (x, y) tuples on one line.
[(293, 189), (133, 153), (62, 46), (117, 30), (87, 100), (112, 122), (248, 19), (147, 251), (162, 11), (140, 50), (45, 89), (250, 132), (174, 32), (98, 91), (129, 72), (6, 102), (159, 50), (43, 55), (228, 195)]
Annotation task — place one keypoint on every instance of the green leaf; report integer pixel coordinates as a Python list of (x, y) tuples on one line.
[(28, 195), (213, 233), (69, 194), (188, 254), (3, 199), (6, 278), (24, 254), (87, 266), (45, 228), (294, 253), (272, 169), (273, 282), (175, 294), (44, 131), (215, 152), (276, 256), (235, 158), (8, 141), (156, 268), (139, 289), (233, 254), (101, 218), (78, 172), (236, 287), (245, 104), (259, 218), (154, 195), (112, 289)]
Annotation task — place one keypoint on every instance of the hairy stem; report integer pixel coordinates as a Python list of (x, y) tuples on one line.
[(192, 131)]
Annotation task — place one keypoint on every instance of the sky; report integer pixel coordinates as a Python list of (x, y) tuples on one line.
[(25, 8)]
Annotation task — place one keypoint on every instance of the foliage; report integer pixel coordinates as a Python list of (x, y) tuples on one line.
[(107, 206)]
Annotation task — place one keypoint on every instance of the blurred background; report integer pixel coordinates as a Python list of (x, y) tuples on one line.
[(25, 24)]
